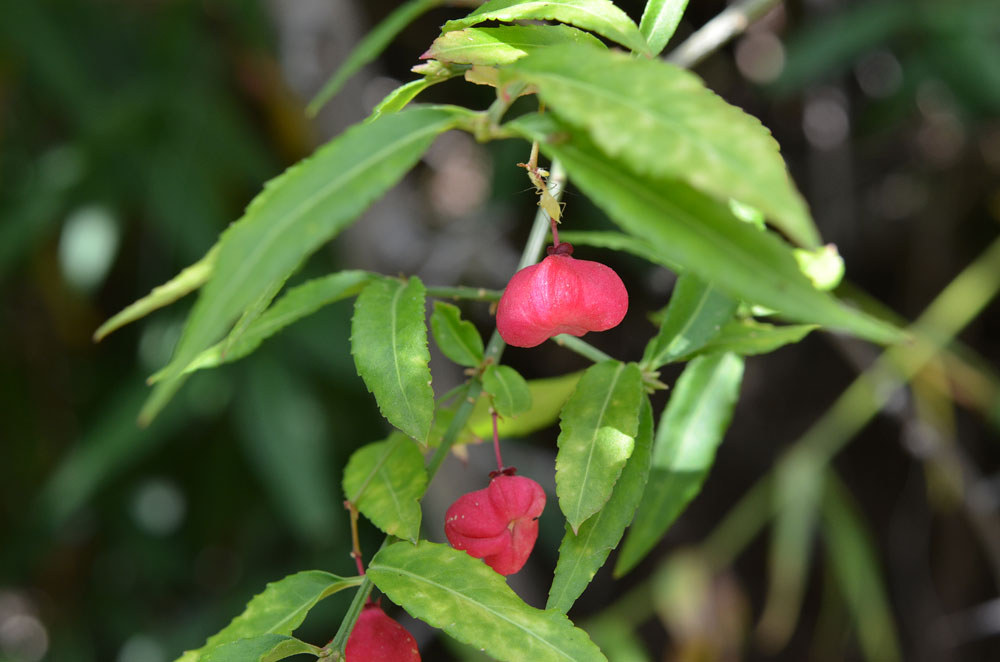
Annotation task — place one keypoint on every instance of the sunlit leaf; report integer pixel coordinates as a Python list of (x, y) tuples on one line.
[(747, 338), (698, 233), (677, 128), (463, 596), (389, 344), (503, 45), (600, 16), (659, 21), (582, 554), (598, 427), (386, 480), (690, 430), (457, 339), (696, 314), (511, 394), (279, 609)]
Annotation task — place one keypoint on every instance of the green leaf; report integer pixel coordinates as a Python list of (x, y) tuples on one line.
[(456, 338), (279, 609), (374, 42), (598, 427), (396, 100), (700, 234), (461, 595), (582, 554), (690, 430), (295, 214), (856, 566), (503, 45), (547, 399), (659, 21), (386, 481), (600, 16), (677, 128), (748, 338), (300, 301), (619, 242), (389, 344), (695, 315), (188, 280), (511, 394), (265, 648)]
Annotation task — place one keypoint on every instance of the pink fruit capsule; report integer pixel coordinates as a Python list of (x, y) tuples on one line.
[(560, 294), (498, 524), (378, 638)]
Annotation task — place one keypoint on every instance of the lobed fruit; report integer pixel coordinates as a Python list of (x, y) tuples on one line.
[(498, 524)]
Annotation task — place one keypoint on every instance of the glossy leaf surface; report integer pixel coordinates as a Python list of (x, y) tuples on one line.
[(677, 128), (659, 22), (450, 590), (696, 313), (600, 16), (582, 554), (389, 344), (690, 430), (598, 427), (386, 480)]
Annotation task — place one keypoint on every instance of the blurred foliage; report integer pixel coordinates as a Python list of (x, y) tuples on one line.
[(131, 133)]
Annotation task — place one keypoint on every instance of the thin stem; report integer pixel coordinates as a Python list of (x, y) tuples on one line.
[(711, 36), (555, 232), (355, 542), (470, 293), (581, 347), (496, 441)]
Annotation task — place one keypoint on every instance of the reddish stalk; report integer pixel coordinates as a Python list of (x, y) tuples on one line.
[(496, 442), (355, 542)]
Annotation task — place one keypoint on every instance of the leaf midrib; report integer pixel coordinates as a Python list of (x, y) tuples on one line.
[(593, 440), (395, 353), (237, 280), (466, 598)]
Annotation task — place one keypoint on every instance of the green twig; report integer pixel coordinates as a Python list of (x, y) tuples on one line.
[(470, 293), (581, 347), (530, 255)]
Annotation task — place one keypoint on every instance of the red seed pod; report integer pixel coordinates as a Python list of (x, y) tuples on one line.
[(560, 294), (378, 638), (498, 524)]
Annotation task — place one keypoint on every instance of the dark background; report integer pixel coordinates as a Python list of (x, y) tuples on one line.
[(132, 133)]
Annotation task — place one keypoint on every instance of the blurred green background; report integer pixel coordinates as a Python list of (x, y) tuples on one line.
[(132, 133)]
